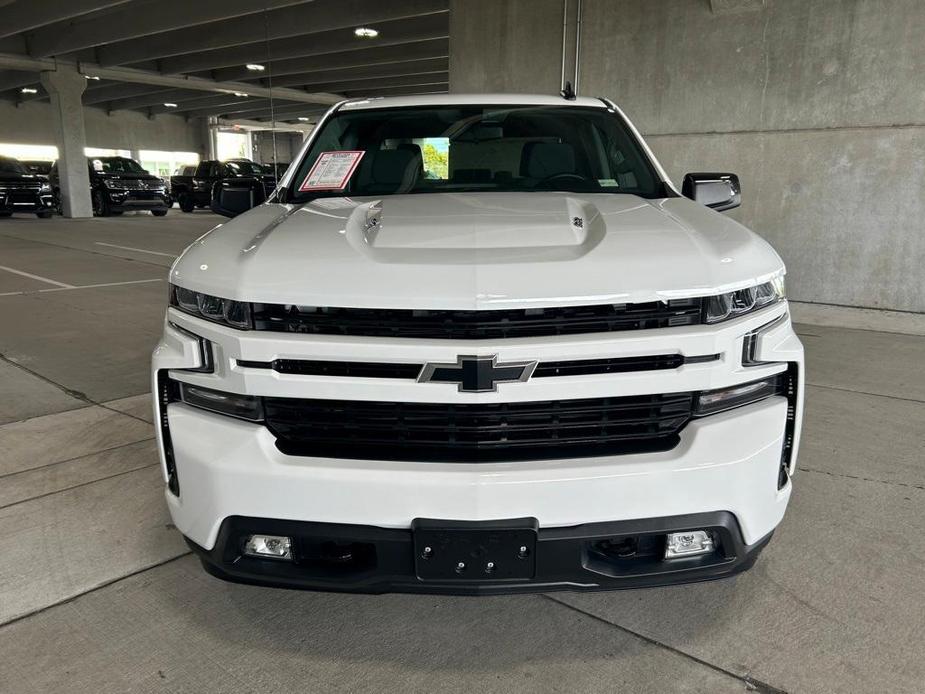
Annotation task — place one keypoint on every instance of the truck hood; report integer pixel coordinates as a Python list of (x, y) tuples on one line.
[(476, 250)]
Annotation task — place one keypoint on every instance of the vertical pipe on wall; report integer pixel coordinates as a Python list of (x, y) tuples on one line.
[(564, 40), (578, 47)]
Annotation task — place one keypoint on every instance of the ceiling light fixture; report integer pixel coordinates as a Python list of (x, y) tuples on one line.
[(240, 94), (255, 67), (303, 118), (366, 32), (92, 77), (169, 105), (28, 90)]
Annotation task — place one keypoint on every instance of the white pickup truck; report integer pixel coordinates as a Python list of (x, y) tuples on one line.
[(478, 344)]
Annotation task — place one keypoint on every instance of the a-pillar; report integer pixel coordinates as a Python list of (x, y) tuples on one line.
[(64, 87)]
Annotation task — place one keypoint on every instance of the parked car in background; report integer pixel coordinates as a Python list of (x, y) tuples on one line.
[(278, 170), (195, 190), (120, 184), (23, 191), (36, 166), (180, 182)]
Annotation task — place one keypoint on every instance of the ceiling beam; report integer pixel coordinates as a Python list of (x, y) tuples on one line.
[(178, 96), (307, 19), (438, 88), (426, 79), (120, 90), (387, 71), (124, 74), (136, 19), (24, 16), (249, 111), (303, 128), (213, 104), (345, 60), (434, 26), (15, 79)]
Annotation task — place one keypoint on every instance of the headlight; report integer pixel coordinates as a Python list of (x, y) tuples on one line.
[(734, 304), (236, 314), (112, 185), (45, 189)]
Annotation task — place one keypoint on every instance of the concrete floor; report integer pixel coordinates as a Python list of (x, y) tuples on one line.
[(99, 594)]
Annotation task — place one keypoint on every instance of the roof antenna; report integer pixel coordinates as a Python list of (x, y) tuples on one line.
[(568, 93)]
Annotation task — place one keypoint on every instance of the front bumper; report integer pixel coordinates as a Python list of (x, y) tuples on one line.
[(137, 200), (13, 200), (367, 559), (726, 463)]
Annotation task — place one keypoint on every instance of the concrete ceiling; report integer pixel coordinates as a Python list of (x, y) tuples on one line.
[(194, 53)]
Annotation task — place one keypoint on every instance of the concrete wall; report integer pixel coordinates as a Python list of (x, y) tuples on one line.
[(819, 107), (31, 123)]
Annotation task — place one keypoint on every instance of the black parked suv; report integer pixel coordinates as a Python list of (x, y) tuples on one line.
[(22, 191), (192, 191), (120, 184)]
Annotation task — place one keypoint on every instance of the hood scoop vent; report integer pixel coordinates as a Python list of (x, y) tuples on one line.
[(457, 231)]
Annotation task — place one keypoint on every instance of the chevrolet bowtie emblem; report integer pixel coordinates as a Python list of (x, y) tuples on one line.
[(477, 374)]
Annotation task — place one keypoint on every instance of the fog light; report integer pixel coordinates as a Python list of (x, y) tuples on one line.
[(269, 546), (242, 406), (689, 544)]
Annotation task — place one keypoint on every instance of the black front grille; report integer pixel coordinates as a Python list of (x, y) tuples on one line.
[(21, 185), (29, 198), (473, 433), (476, 325), (354, 369), (580, 367)]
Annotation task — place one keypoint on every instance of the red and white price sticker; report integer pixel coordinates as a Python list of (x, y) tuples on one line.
[(332, 171)]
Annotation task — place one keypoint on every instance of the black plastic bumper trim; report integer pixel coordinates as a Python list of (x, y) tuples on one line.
[(382, 560)]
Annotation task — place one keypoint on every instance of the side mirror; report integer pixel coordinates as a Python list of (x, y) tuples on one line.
[(718, 191), (231, 197)]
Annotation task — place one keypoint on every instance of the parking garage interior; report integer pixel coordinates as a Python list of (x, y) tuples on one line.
[(817, 106)]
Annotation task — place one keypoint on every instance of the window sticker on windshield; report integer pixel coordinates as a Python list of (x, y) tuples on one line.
[(332, 171), (608, 183)]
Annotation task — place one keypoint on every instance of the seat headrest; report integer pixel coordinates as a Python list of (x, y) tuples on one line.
[(545, 159), (391, 165)]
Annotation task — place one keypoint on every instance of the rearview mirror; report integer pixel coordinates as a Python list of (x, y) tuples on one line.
[(232, 197), (718, 191)]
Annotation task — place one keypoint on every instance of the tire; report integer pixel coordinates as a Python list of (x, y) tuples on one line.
[(44, 214), (100, 206), (186, 203), (116, 213), (159, 213), (6, 214)]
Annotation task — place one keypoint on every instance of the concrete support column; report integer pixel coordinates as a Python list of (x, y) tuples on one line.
[(212, 132), (65, 86)]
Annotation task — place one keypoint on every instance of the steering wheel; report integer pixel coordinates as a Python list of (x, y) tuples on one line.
[(562, 174)]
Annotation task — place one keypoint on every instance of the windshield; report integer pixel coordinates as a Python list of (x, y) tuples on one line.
[(427, 149), (11, 166), (244, 168), (117, 165)]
